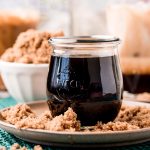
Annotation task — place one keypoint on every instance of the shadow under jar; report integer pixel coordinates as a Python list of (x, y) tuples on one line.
[(84, 74)]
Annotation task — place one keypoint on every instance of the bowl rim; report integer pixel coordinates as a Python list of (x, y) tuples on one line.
[(15, 64)]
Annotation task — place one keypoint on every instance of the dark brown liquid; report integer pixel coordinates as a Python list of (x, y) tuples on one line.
[(92, 86), (136, 83)]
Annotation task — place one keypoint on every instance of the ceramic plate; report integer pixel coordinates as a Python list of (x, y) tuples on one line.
[(78, 139)]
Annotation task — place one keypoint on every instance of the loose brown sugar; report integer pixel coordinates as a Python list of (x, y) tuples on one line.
[(22, 116), (2, 148), (129, 118), (17, 113), (16, 146), (30, 47), (37, 147)]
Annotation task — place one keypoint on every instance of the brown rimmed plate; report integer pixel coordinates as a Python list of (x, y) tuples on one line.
[(78, 139)]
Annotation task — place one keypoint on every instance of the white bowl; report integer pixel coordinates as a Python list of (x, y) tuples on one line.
[(25, 82)]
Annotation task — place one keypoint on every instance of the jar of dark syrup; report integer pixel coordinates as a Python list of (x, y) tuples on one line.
[(84, 74)]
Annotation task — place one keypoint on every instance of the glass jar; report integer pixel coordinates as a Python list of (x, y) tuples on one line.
[(84, 74), (132, 25)]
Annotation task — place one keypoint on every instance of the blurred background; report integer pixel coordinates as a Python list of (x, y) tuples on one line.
[(127, 19)]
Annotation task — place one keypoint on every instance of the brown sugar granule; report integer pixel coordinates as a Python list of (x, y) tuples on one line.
[(31, 47), (129, 118), (2, 148), (16, 146), (37, 147)]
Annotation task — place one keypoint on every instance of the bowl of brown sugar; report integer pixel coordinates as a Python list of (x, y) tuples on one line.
[(24, 67)]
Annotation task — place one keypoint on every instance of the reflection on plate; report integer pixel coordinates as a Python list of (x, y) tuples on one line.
[(78, 139)]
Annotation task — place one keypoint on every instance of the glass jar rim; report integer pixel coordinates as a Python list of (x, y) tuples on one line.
[(93, 39)]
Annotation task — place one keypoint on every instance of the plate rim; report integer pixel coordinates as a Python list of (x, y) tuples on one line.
[(7, 124)]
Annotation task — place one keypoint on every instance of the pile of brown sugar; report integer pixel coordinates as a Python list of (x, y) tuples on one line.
[(22, 116), (129, 118), (30, 47)]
